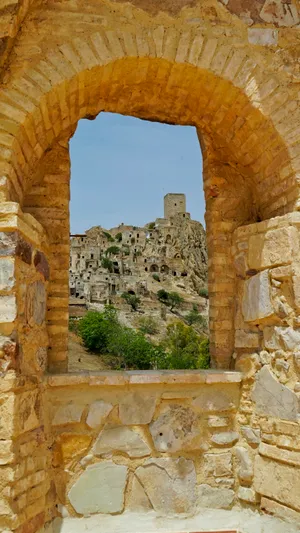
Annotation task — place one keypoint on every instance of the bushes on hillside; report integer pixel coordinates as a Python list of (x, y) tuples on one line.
[(181, 348), (171, 299)]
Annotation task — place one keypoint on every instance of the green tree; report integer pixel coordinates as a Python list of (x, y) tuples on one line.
[(118, 237), (156, 277), (132, 299), (194, 317), (107, 263), (185, 348), (96, 328), (163, 296), (112, 250), (174, 300), (132, 349)]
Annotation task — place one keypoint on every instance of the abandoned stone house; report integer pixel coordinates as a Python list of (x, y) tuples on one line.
[(182, 451), (173, 247)]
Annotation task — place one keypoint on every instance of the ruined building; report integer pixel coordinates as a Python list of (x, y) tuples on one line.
[(173, 248), (222, 446)]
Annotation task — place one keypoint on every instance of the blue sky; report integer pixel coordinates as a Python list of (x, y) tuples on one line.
[(121, 168)]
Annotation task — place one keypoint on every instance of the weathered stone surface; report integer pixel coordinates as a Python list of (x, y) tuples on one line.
[(217, 421), (215, 498), (98, 412), (137, 408), (279, 12), (217, 464), (41, 264), (175, 429), (67, 414), (100, 489), (170, 484), (272, 398), (263, 36), (121, 439), (286, 488), (251, 435), (138, 500), (277, 509), (8, 309), (245, 471), (226, 438), (70, 446), (288, 337), (6, 452), (7, 274), (257, 303), (8, 243), (246, 494), (273, 248), (246, 339), (35, 303), (24, 250), (215, 399), (284, 456)]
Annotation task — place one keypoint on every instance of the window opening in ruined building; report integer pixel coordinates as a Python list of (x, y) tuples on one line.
[(149, 175)]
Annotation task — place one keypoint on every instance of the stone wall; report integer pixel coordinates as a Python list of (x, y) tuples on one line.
[(141, 441)]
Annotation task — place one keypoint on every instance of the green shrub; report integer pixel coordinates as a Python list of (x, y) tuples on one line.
[(112, 250), (96, 328), (118, 237), (171, 299), (132, 349), (194, 317), (108, 236), (126, 250), (107, 263), (151, 225), (132, 299), (163, 296), (184, 348), (203, 292), (149, 325), (156, 277)]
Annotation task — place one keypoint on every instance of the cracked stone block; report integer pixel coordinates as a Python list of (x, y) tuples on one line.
[(99, 489), (8, 308), (175, 429), (263, 36), (170, 484), (272, 398), (215, 498), (273, 248), (251, 435), (121, 439), (67, 414), (215, 399), (7, 274), (245, 470), (257, 303), (138, 499), (98, 412), (137, 408), (279, 12), (286, 488), (226, 438)]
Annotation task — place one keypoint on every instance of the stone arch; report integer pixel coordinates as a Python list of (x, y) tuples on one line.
[(236, 106), (154, 268), (164, 269)]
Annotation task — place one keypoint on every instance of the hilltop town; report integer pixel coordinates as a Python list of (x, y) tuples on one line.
[(169, 254)]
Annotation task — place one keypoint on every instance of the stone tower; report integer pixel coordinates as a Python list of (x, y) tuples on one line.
[(174, 203)]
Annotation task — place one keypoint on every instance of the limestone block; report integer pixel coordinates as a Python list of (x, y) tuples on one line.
[(213, 398), (273, 248), (263, 36), (284, 456), (287, 428), (121, 439), (271, 339), (170, 484), (286, 488), (6, 452), (246, 339), (272, 398), (257, 303), (217, 421), (215, 498), (277, 509), (175, 429), (70, 446), (251, 435), (99, 489), (67, 414), (278, 12), (245, 471), (7, 274), (246, 494), (137, 408), (98, 412), (226, 438), (35, 303), (289, 338), (8, 309), (217, 464), (138, 499)]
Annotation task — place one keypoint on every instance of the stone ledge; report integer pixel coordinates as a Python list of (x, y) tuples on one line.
[(148, 377)]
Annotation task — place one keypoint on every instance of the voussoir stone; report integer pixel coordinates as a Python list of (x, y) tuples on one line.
[(121, 439), (170, 484), (215, 498), (137, 408), (174, 429), (272, 398), (98, 412), (99, 489)]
